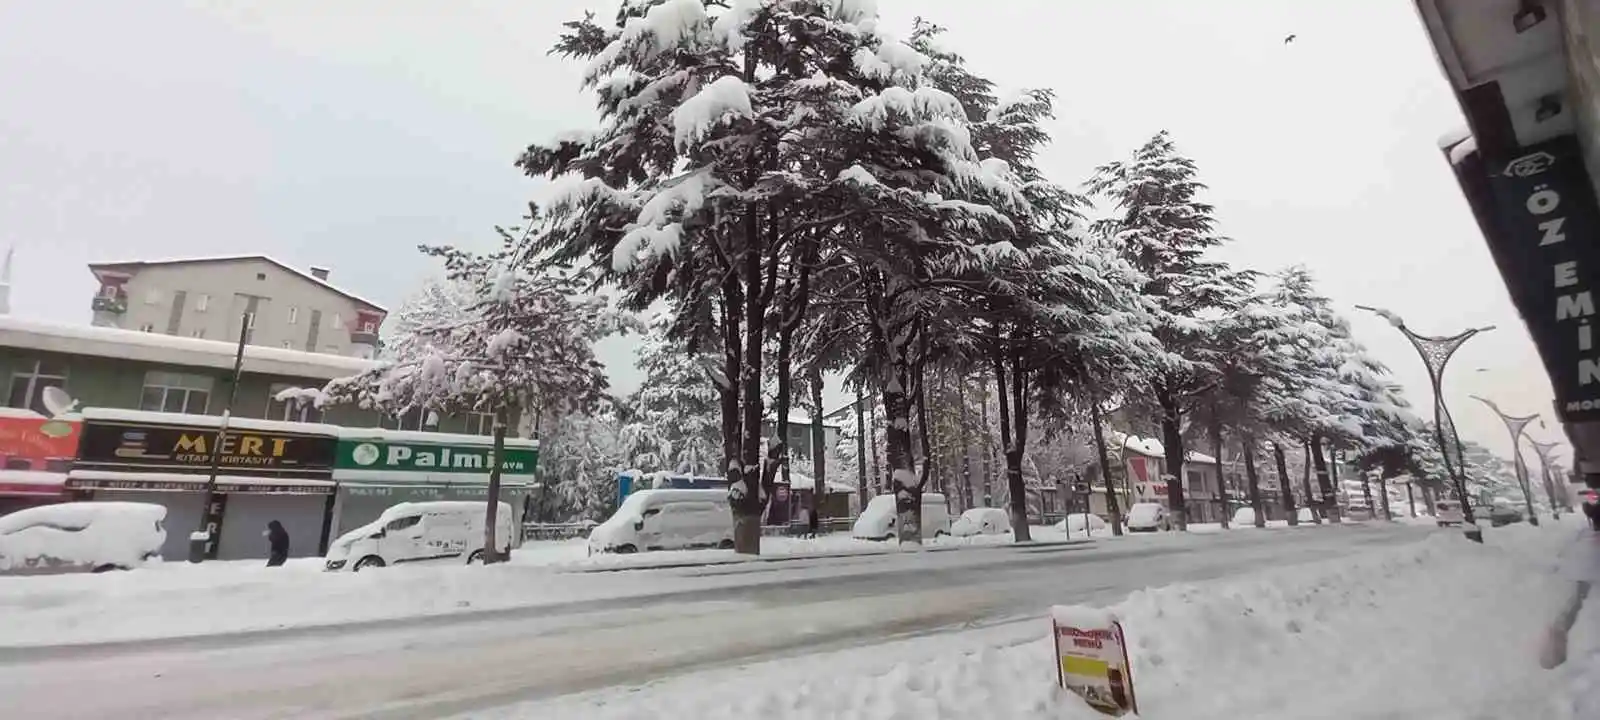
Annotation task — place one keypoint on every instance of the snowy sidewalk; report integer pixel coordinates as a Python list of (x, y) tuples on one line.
[(1435, 629)]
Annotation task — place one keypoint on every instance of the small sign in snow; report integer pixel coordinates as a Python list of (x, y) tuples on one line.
[(1092, 658)]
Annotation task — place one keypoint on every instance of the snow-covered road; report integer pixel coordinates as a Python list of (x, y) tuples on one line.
[(702, 618)]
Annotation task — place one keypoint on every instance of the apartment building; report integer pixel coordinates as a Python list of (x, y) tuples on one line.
[(208, 298)]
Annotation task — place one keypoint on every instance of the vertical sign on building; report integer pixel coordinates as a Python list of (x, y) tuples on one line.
[(1548, 250)]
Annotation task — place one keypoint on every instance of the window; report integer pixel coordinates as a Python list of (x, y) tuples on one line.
[(176, 392), (288, 345), (480, 423), (147, 327), (199, 333), (402, 523), (291, 410), (202, 302), (369, 327), (27, 385), (294, 315), (261, 276), (152, 296), (1197, 481), (335, 322)]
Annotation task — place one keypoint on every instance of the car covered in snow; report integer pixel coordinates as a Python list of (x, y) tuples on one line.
[(81, 537), (1448, 513), (981, 521), (878, 520), (666, 520), (445, 530), (1074, 524), (1148, 517)]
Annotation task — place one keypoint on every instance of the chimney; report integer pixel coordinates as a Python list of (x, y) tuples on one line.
[(319, 272)]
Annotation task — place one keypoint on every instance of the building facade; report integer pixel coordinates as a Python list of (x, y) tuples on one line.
[(207, 298)]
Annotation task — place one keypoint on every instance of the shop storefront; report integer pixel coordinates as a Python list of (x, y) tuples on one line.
[(376, 468), (266, 471), (35, 454)]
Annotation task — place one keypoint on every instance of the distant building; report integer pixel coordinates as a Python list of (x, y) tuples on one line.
[(206, 298)]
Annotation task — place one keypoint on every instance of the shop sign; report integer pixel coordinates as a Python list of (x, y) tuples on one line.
[(199, 485), (1091, 657), (1547, 252), (38, 443), (153, 447), (432, 458)]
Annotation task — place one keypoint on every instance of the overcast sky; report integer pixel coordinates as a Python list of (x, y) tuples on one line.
[(345, 133)]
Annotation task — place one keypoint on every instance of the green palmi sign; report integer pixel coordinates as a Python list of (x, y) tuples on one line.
[(431, 458)]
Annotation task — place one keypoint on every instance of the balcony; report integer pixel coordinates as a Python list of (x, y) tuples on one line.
[(113, 304)]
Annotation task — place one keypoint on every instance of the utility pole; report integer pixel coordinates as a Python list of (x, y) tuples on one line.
[(204, 542)]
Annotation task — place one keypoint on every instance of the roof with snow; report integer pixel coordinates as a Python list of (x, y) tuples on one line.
[(139, 346), (1150, 447), (98, 267)]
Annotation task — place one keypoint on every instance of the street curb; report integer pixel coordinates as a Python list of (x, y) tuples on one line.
[(819, 556)]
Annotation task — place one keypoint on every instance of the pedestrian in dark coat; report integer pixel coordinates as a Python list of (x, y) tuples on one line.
[(277, 544)]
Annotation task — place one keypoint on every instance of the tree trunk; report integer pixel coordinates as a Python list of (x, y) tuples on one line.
[(1172, 445), (491, 513), (861, 451), (897, 447), (1222, 477), (748, 495), (1427, 501), (1113, 508), (1411, 498), (1285, 484), (928, 465), (966, 443), (872, 440), (1018, 490), (819, 460), (988, 452), (1330, 501), (1305, 485), (1383, 490), (1247, 446)]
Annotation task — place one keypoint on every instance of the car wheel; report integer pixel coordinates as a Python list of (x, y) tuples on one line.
[(476, 558), (625, 549), (372, 561), (725, 544), (939, 534)]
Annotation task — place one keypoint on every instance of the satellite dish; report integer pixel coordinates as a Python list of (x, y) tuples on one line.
[(57, 401)]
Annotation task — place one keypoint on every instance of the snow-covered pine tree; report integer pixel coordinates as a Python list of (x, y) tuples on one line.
[(673, 417), (522, 338), (712, 160), (1162, 228)]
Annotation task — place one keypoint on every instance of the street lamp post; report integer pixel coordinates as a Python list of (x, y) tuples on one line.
[(1436, 351), (1547, 456), (1516, 426)]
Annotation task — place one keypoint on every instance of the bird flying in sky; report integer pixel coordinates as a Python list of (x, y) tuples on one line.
[(1290, 39)]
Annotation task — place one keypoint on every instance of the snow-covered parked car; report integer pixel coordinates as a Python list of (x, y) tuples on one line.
[(1305, 515), (666, 520), (980, 521), (1244, 516), (420, 531), (1075, 523), (81, 537), (877, 522), (1148, 517)]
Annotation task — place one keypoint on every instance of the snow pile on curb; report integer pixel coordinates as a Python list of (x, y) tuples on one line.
[(1439, 628)]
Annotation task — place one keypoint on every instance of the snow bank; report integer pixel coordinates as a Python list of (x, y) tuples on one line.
[(1436, 629)]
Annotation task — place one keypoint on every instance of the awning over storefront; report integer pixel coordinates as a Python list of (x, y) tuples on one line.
[(32, 483), (187, 482)]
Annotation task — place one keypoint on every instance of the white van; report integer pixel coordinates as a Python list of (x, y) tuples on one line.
[(418, 531), (81, 537), (666, 520), (877, 522)]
